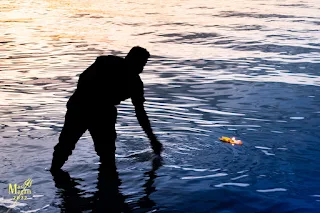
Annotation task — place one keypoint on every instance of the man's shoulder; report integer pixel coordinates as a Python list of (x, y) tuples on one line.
[(109, 59)]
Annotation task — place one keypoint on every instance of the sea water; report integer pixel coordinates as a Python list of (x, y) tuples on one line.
[(248, 69)]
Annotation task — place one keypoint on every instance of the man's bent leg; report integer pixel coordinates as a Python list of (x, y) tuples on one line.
[(103, 133), (74, 126)]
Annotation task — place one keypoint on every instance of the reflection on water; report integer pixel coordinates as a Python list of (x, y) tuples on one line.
[(108, 197), (248, 69)]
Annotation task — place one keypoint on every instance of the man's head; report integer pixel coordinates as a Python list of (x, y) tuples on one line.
[(137, 58)]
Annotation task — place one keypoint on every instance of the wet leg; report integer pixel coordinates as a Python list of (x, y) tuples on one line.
[(103, 133), (74, 127)]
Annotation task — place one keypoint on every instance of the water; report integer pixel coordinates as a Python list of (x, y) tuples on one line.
[(248, 69)]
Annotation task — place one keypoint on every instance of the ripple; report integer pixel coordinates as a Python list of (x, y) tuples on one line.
[(243, 171), (271, 190), (36, 196), (196, 170), (262, 147), (232, 184), (9, 203), (219, 112), (277, 132), (296, 118), (191, 169), (205, 176), (267, 153), (239, 177), (36, 210)]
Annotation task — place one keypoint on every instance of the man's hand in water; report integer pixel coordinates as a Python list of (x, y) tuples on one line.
[(156, 145), (145, 124)]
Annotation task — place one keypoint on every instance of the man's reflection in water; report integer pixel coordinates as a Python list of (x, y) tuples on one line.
[(145, 201), (107, 198)]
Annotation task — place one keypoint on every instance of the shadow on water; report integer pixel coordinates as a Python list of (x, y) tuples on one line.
[(108, 197)]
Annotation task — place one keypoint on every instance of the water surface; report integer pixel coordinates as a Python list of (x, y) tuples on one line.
[(248, 69)]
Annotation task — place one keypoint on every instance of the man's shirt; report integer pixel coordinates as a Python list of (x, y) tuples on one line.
[(108, 81)]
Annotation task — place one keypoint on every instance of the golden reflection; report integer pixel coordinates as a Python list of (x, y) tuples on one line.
[(21, 20), (7, 7), (163, 27), (57, 37)]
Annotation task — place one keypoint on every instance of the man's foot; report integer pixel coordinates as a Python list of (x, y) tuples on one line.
[(54, 170), (56, 164)]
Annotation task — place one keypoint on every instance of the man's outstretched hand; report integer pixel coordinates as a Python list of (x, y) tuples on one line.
[(156, 146)]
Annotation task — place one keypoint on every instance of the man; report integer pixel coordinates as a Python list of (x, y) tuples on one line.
[(102, 86)]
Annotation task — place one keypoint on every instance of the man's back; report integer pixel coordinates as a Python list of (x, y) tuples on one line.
[(107, 81)]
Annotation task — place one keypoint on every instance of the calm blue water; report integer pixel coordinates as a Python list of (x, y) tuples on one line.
[(248, 69)]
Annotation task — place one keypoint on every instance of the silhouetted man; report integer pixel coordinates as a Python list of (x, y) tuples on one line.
[(102, 86)]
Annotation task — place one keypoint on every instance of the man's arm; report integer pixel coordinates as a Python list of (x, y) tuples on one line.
[(145, 124)]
